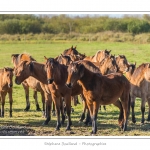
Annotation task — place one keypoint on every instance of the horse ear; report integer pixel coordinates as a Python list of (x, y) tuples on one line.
[(71, 47), (135, 63), (45, 58), (75, 47), (148, 65), (109, 51), (5, 69)]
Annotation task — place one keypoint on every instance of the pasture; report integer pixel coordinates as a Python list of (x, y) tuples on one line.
[(30, 123)]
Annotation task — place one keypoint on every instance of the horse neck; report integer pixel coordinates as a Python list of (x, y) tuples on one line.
[(138, 79), (39, 72), (86, 78), (128, 75), (3, 82), (60, 74), (103, 67)]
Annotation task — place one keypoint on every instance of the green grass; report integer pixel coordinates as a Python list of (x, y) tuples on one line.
[(30, 123)]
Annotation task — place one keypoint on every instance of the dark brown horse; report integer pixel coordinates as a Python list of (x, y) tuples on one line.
[(55, 73), (72, 51), (24, 70), (29, 82), (99, 90), (6, 83)]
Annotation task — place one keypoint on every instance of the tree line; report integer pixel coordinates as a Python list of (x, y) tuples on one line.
[(55, 24)]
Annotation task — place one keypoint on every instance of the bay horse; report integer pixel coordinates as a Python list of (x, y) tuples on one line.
[(99, 90), (140, 87), (122, 63), (107, 65), (6, 83), (55, 73), (29, 82), (37, 70), (73, 53)]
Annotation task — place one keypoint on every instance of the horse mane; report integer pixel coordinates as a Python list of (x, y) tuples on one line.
[(138, 74), (90, 66), (74, 50), (21, 57), (94, 58)]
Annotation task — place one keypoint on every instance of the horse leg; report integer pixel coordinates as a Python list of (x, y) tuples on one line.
[(0, 105), (43, 102), (143, 108), (68, 109), (84, 108), (148, 119), (120, 119), (26, 88), (62, 111), (53, 110), (90, 107), (96, 106), (36, 101), (56, 101), (132, 106), (48, 109), (10, 102), (3, 103), (126, 105)]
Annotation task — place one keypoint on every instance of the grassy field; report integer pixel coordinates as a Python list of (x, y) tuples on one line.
[(30, 123)]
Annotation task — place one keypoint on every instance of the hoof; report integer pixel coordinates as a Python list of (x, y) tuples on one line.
[(93, 133), (133, 120), (38, 109), (142, 121), (148, 119), (68, 128), (27, 108), (45, 123), (57, 129)]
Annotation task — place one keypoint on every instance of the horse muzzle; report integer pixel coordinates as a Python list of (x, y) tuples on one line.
[(17, 82), (10, 85), (69, 85), (50, 81)]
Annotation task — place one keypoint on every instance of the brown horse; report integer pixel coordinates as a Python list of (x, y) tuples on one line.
[(73, 53), (29, 82), (99, 56), (130, 71), (99, 90), (6, 83), (122, 63), (140, 87), (24, 70), (107, 65)]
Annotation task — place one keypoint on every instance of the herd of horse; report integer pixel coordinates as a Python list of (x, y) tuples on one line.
[(101, 79)]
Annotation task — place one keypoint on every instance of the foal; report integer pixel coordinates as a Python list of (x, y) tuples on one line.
[(29, 82), (6, 83), (99, 90)]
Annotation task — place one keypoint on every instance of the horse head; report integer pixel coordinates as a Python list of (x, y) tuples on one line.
[(8, 76), (50, 67), (75, 72), (122, 63), (23, 71)]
